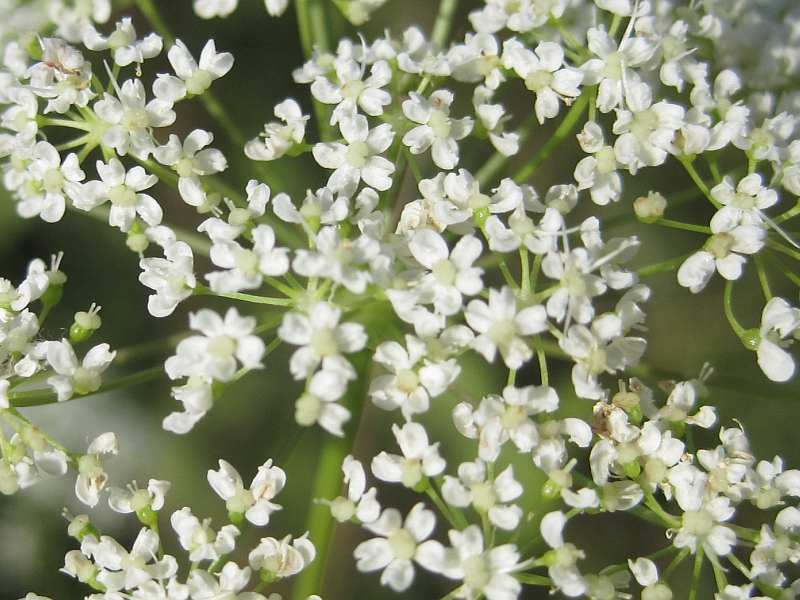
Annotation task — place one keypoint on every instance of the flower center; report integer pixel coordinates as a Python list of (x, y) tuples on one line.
[(134, 118), (697, 522), (477, 573), (324, 343), (247, 261), (445, 272), (513, 417), (644, 123), (407, 381), (439, 121), (606, 160), (403, 544), (198, 82), (502, 332), (357, 154), (85, 380), (188, 166), (483, 496), (539, 80), (53, 181), (122, 195), (307, 410), (743, 201), (615, 65), (720, 244), (222, 346), (353, 88)]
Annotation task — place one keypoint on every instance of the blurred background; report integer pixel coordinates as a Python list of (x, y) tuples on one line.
[(254, 420)]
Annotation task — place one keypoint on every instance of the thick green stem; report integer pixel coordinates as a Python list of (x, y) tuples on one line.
[(328, 483), (313, 25), (444, 22)]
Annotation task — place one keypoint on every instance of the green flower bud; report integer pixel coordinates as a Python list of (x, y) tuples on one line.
[(86, 323), (751, 338)]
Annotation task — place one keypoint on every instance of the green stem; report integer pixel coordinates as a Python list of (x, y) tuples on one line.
[(675, 563), (792, 212), (41, 397), (781, 248), (152, 15), (686, 161), (737, 328), (529, 579), (762, 277), (564, 129), (698, 565), (444, 22), (663, 267), (313, 25), (540, 353), (685, 226), (719, 576), (496, 162), (202, 290), (785, 270), (328, 483), (454, 517)]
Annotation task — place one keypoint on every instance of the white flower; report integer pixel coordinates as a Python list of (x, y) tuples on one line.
[(419, 459), (191, 160), (192, 78), (436, 128), (92, 477), (53, 181), (123, 190), (410, 387), (323, 340), (544, 74), (132, 119), (225, 343), (279, 138), (561, 567), (74, 377), (172, 278), (134, 499), (232, 579), (360, 502), (245, 269), (499, 324), (451, 273), (401, 542), (499, 419), (202, 542), (351, 91), (359, 158), (121, 570), (487, 497), (124, 46), (779, 321), (208, 9), (484, 572), (255, 503), (282, 558), (722, 252), (336, 258), (601, 348), (318, 403), (743, 204)]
